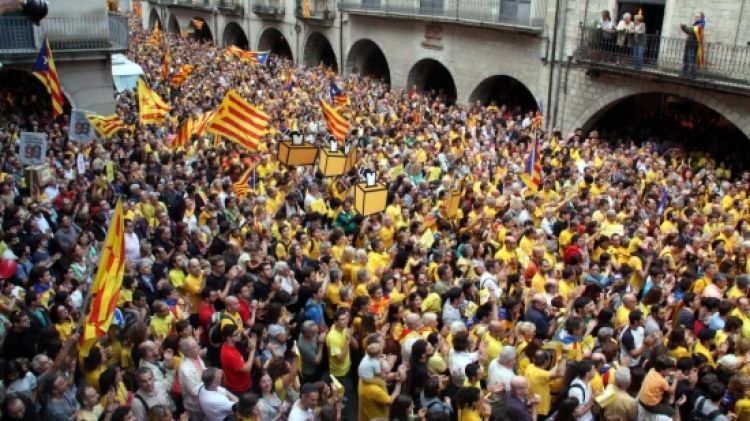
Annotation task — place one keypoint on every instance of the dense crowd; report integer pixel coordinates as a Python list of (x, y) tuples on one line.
[(616, 291)]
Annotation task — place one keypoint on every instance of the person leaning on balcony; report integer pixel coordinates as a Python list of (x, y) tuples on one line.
[(693, 56), (625, 35), (639, 40), (607, 32)]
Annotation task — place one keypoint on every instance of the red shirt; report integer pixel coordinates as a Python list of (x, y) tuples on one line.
[(205, 311), (232, 362), (244, 311)]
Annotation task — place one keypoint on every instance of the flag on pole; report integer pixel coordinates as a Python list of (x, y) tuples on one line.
[(44, 69), (239, 121), (201, 122), (105, 290), (242, 186), (182, 74), (167, 65), (184, 134), (152, 109), (107, 126), (337, 97), (255, 57), (337, 125), (700, 55), (532, 174)]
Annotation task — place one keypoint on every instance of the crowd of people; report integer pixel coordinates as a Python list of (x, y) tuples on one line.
[(616, 290)]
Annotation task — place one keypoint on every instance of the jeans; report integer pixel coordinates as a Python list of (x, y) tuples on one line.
[(639, 51), (688, 63)]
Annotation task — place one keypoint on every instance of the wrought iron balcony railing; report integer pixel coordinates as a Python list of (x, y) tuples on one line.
[(319, 11), (269, 9), (75, 33), (235, 7), (517, 13), (667, 56)]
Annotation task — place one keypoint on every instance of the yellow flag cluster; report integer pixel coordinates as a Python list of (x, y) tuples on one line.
[(107, 126), (105, 290), (152, 109), (240, 122), (182, 74)]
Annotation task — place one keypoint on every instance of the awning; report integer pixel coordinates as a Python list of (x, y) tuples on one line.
[(125, 73)]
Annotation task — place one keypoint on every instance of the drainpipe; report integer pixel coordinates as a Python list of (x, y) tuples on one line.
[(739, 23), (552, 58), (342, 70), (562, 51)]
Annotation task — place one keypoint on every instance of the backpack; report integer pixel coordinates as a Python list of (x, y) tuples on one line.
[(272, 247), (697, 413), (564, 392), (214, 328)]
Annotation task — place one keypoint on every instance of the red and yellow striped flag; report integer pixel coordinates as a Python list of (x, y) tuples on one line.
[(239, 121), (198, 24), (105, 290), (152, 109), (241, 187), (44, 69), (201, 122), (155, 38), (182, 74), (337, 125), (166, 65), (184, 134), (107, 126)]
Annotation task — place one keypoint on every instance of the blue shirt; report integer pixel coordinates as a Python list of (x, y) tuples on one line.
[(540, 320), (314, 312)]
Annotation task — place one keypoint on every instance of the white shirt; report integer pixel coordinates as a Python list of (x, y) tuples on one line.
[(190, 383), (450, 314), (132, 247), (488, 280), (583, 397), (215, 404), (299, 414), (498, 373), (457, 362)]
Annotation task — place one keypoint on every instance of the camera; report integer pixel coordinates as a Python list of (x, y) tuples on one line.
[(35, 10)]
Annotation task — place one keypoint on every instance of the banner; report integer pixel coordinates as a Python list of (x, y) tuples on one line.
[(32, 148), (81, 130)]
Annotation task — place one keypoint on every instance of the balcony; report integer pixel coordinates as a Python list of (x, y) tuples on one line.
[(320, 12), (201, 5), (520, 15), (232, 7), (72, 34), (727, 66), (269, 9)]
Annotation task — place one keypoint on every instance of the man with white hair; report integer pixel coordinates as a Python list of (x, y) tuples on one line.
[(621, 406), (190, 371), (501, 368), (413, 322)]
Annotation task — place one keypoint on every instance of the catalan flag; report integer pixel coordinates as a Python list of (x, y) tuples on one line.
[(532, 174), (239, 121), (183, 135), (45, 70), (242, 186), (255, 57), (337, 97), (105, 290), (337, 125), (155, 38), (166, 65), (151, 107), (182, 74), (700, 55), (291, 81), (107, 126), (201, 122)]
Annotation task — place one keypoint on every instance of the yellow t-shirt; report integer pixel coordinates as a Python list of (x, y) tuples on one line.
[(336, 341), (160, 326), (374, 401), (539, 380)]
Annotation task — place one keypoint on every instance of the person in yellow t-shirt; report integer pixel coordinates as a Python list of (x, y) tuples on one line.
[(703, 345), (539, 378), (162, 321)]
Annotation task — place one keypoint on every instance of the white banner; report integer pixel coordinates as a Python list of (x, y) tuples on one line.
[(32, 148), (80, 130)]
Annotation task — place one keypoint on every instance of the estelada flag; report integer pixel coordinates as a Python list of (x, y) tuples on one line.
[(239, 121), (182, 74), (184, 134), (337, 125), (151, 108), (201, 122), (105, 290), (44, 69), (532, 174), (166, 65)]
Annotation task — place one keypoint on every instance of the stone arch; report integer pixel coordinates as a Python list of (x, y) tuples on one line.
[(319, 50), (368, 59), (153, 19), (173, 25), (201, 29), (599, 107), (274, 41), (235, 35), (504, 90), (430, 74)]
